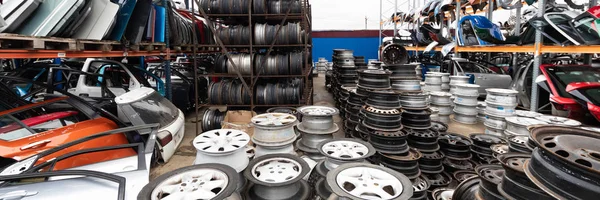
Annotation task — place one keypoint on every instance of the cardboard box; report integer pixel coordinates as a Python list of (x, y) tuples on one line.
[(239, 120)]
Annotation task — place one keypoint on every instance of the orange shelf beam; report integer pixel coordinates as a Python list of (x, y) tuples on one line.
[(500, 49), (18, 53), (571, 49)]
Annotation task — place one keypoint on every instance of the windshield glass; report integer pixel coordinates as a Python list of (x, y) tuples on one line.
[(562, 76), (562, 22), (586, 27), (155, 109), (593, 94)]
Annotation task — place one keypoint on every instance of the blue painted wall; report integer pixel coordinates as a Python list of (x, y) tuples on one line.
[(362, 46)]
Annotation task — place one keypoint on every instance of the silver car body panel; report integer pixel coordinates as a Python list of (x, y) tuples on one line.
[(14, 12), (100, 21), (484, 80), (50, 17)]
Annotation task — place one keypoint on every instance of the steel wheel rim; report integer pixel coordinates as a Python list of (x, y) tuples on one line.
[(317, 111), (197, 184)]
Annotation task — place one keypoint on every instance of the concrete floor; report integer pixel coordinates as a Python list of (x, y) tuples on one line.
[(184, 156)]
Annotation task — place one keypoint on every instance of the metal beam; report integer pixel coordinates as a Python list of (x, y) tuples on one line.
[(537, 59)]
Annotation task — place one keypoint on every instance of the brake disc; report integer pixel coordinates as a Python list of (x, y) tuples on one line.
[(566, 162), (406, 164)]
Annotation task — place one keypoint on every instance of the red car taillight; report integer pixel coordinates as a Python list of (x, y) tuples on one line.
[(164, 137)]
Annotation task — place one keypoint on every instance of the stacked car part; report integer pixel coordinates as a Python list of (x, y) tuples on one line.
[(394, 54), (515, 183), (407, 163), (316, 126), (565, 158), (433, 82), (344, 75), (277, 176), (518, 126), (232, 92), (500, 103), (456, 80), (274, 133), (212, 119), (281, 64), (442, 101), (465, 103), (290, 33), (354, 104), (481, 147), (223, 146), (337, 152), (457, 151)]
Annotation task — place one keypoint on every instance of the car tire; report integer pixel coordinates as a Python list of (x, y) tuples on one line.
[(226, 193), (560, 113)]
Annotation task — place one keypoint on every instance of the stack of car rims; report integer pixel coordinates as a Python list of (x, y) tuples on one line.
[(317, 126), (481, 147), (465, 103), (441, 101), (354, 103), (336, 152), (277, 176), (500, 103), (518, 125), (445, 81), (274, 133), (481, 111), (344, 74), (433, 82), (455, 80), (404, 77)]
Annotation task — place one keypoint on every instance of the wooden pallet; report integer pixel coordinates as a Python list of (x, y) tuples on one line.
[(98, 45), (15, 41), (148, 46)]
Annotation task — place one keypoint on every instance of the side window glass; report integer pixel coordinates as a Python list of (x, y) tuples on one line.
[(11, 130)]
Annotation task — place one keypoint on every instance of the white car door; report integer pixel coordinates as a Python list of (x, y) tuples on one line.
[(118, 79)]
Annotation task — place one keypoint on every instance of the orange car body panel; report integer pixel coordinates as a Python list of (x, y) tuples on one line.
[(56, 137)]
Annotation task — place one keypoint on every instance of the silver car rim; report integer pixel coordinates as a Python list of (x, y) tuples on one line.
[(342, 151), (195, 184), (274, 119), (276, 170), (317, 111), (369, 183), (221, 141)]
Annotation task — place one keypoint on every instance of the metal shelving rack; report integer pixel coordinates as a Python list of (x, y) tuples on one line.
[(249, 81), (538, 48)]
